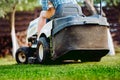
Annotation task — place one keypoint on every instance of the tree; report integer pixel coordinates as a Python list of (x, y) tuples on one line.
[(108, 2), (11, 6), (112, 2), (7, 5)]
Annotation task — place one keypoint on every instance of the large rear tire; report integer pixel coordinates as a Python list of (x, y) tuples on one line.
[(22, 55), (43, 51)]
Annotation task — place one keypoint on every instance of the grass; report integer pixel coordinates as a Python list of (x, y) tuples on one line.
[(107, 69)]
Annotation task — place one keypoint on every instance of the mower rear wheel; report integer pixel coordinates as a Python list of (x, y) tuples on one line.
[(43, 51)]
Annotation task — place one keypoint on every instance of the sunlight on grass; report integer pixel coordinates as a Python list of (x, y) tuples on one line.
[(107, 69), (9, 60)]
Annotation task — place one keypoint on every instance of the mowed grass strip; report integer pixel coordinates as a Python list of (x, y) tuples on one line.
[(107, 69)]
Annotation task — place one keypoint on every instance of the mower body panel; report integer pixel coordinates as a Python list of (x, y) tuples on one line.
[(81, 35)]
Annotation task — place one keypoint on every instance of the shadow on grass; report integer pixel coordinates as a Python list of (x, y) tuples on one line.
[(107, 59), (16, 65)]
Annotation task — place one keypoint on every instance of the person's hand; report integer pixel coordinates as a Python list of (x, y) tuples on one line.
[(50, 12)]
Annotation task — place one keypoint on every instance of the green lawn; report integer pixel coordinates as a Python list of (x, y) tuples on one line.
[(107, 69)]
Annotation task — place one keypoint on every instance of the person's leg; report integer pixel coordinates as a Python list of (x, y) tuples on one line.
[(43, 16), (90, 7), (41, 21)]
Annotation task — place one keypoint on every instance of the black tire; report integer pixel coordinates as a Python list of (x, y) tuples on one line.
[(43, 51), (22, 55)]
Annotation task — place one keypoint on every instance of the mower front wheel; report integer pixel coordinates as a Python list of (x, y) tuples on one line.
[(22, 55)]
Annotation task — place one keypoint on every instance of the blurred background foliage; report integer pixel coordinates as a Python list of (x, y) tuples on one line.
[(6, 6), (25, 5)]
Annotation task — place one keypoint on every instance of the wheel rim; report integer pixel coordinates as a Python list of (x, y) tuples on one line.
[(41, 52), (22, 57)]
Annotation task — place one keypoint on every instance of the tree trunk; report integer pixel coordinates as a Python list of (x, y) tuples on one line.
[(92, 2), (13, 34)]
